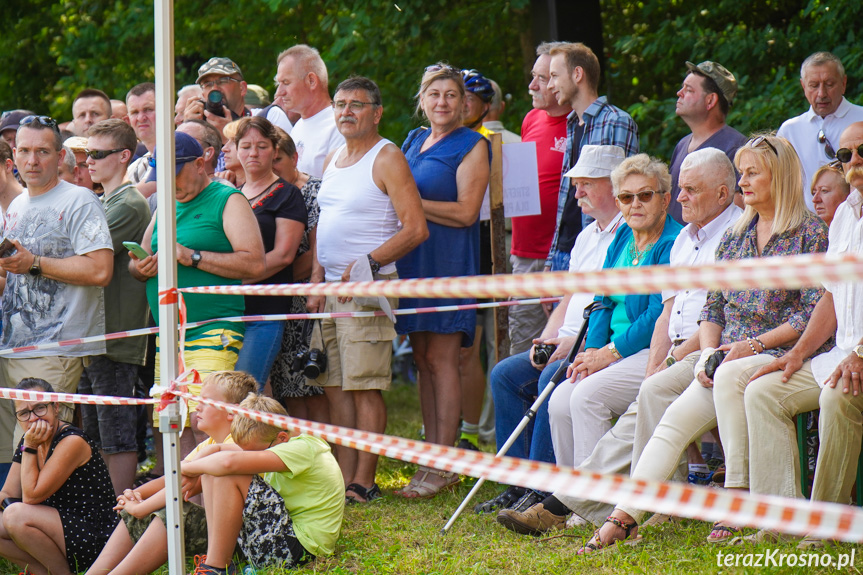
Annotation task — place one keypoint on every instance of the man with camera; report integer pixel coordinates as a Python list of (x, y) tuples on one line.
[(707, 184), (371, 215), (224, 92)]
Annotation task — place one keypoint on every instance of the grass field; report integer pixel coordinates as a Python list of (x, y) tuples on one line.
[(395, 536)]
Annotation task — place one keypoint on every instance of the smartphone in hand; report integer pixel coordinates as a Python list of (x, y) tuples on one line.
[(135, 248)]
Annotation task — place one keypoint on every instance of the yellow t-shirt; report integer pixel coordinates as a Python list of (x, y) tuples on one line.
[(206, 443), (313, 490)]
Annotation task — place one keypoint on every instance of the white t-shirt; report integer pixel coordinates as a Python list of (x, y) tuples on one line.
[(802, 132), (846, 236), (64, 221), (694, 247), (276, 116), (315, 138), (588, 255)]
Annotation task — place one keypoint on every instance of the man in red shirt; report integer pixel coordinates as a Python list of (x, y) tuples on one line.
[(531, 235)]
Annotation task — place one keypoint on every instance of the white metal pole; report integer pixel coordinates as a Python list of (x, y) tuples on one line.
[(169, 419)]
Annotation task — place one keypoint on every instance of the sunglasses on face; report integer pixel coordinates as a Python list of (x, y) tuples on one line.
[(100, 154), (755, 142), (643, 197), (39, 410), (844, 155), (828, 149), (46, 121)]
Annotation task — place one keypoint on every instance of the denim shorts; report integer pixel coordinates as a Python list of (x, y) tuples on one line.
[(112, 426)]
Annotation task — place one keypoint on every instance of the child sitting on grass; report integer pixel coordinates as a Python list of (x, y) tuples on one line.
[(139, 543), (277, 494)]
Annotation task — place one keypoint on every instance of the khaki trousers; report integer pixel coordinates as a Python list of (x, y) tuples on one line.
[(840, 428)]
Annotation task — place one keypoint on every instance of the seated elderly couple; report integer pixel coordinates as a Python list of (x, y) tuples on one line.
[(662, 414)]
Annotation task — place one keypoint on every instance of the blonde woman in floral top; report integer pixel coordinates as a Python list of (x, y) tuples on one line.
[(752, 327)]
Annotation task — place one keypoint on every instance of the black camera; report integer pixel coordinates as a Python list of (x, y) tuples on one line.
[(713, 362), (542, 353), (214, 103), (311, 363)]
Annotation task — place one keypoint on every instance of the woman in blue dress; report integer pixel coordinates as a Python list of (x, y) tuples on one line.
[(450, 164)]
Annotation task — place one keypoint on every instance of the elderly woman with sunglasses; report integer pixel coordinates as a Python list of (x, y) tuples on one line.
[(57, 502), (605, 378), (749, 327)]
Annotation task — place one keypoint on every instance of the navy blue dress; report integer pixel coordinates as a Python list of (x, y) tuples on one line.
[(448, 251)]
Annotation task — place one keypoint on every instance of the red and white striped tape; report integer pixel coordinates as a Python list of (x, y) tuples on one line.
[(21, 395), (790, 272), (795, 516), (277, 317)]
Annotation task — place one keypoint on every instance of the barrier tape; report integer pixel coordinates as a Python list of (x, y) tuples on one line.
[(789, 272), (277, 317), (794, 516)]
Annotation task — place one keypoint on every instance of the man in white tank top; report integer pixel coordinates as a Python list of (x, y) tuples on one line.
[(371, 215)]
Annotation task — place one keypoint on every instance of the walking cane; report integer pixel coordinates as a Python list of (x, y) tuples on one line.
[(531, 413)]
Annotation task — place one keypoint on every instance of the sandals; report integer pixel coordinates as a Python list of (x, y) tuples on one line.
[(718, 526), (367, 494), (423, 489), (595, 544)]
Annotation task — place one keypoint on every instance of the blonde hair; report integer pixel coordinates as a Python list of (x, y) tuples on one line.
[(432, 74), (230, 130), (641, 165), (777, 156), (244, 429), (829, 169), (234, 385)]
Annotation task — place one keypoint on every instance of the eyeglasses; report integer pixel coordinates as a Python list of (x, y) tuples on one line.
[(643, 197), (844, 154), (828, 149), (46, 121), (181, 160), (100, 154), (39, 410), (354, 106), (757, 141), (439, 67), (223, 81), (837, 165)]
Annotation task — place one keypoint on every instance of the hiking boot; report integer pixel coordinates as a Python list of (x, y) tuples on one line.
[(530, 498), (534, 521), (504, 500)]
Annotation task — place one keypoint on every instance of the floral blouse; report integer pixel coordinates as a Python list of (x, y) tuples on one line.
[(751, 313)]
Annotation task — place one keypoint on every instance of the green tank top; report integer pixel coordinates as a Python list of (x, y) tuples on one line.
[(199, 227)]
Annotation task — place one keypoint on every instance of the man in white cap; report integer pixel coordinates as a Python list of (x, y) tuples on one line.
[(518, 379), (707, 184)]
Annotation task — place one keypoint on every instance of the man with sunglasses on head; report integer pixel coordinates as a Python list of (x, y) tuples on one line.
[(110, 146), (703, 101), (815, 133), (55, 276), (301, 88)]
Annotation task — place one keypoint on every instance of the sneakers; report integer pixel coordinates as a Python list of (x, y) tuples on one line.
[(536, 520), (505, 500), (465, 443), (530, 498), (201, 568)]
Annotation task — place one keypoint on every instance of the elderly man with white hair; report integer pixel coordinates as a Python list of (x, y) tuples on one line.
[(707, 184)]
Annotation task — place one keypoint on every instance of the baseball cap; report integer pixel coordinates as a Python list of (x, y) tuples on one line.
[(12, 118), (76, 143), (257, 96), (187, 150), (718, 73), (220, 66), (596, 162)]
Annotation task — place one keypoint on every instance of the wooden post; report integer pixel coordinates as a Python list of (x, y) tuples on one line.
[(498, 243)]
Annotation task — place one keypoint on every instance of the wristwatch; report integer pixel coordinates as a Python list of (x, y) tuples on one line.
[(374, 264), (669, 361), (31, 450), (36, 268), (196, 258), (613, 349), (858, 350)]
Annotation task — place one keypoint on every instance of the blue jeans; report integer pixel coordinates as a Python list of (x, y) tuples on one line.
[(261, 344), (559, 261), (515, 384)]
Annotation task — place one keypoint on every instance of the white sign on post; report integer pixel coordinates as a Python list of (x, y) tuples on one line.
[(520, 182)]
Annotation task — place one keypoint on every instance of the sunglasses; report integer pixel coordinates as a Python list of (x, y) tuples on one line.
[(837, 165), (439, 67), (844, 154), (180, 160), (100, 154), (46, 121), (828, 149), (643, 197), (755, 142)]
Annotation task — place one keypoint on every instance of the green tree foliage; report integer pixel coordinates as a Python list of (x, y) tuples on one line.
[(53, 49), (763, 42)]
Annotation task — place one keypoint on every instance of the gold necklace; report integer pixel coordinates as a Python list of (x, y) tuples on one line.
[(637, 254)]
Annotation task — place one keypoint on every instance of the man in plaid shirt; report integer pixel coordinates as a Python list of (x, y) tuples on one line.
[(574, 80)]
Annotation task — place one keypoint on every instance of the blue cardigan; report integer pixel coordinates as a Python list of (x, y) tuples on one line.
[(642, 309)]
